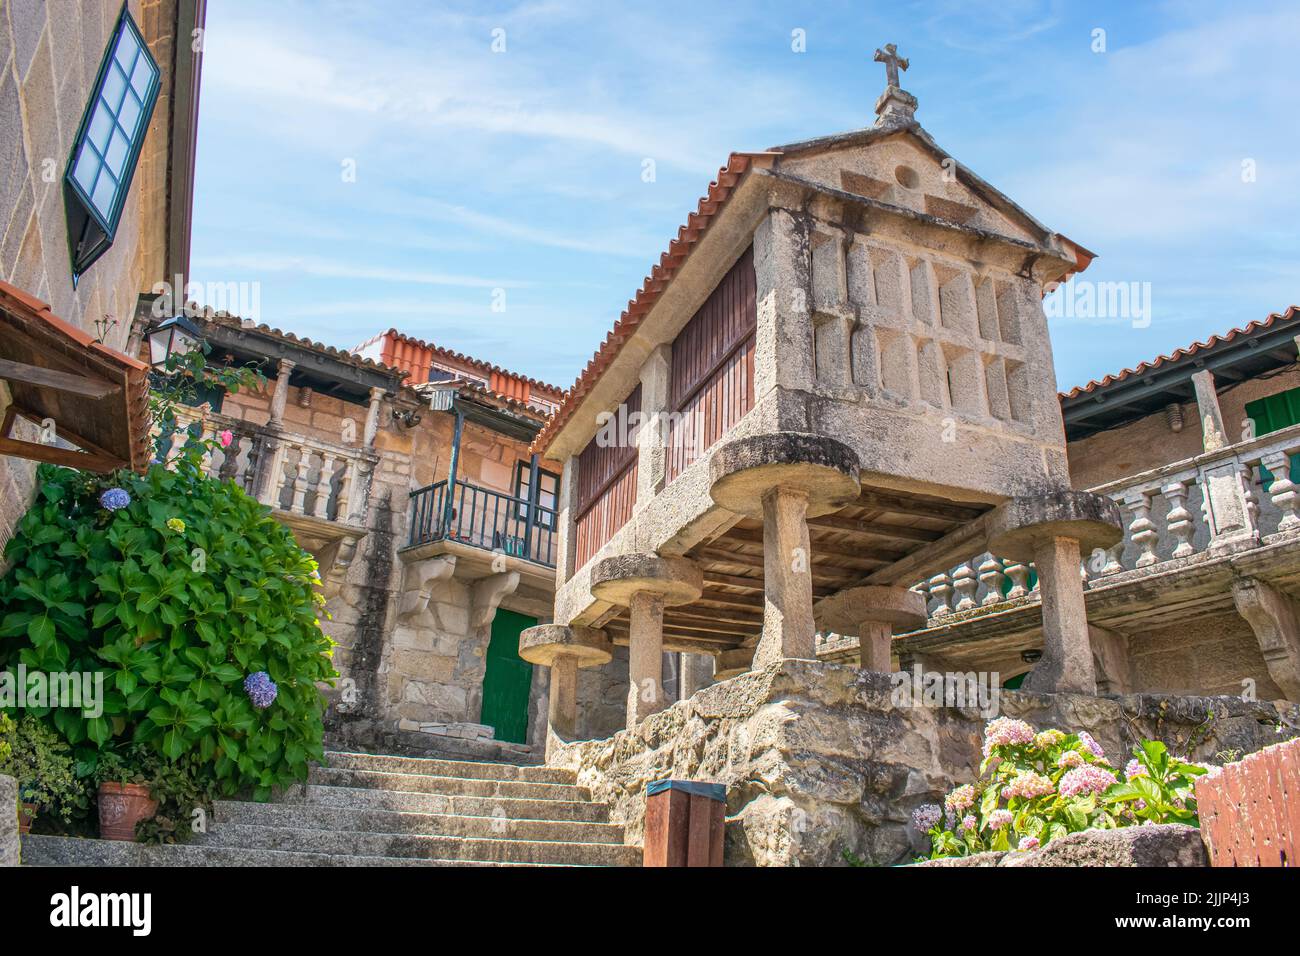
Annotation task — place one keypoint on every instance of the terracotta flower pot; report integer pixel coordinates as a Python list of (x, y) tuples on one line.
[(27, 817), (121, 807)]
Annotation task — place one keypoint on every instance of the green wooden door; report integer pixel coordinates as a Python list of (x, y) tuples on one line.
[(508, 680)]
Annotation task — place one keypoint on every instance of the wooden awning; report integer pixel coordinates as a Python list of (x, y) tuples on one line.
[(97, 398)]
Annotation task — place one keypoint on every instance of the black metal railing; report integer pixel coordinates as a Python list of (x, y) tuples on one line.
[(483, 518)]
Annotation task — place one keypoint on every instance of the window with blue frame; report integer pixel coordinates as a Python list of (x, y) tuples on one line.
[(108, 143)]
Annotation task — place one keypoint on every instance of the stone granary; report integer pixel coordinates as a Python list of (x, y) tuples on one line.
[(837, 379)]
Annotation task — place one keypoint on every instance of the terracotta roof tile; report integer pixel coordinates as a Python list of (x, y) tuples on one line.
[(1292, 312), (553, 391)]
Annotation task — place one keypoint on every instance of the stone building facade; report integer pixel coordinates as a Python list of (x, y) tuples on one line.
[(427, 594), (51, 57)]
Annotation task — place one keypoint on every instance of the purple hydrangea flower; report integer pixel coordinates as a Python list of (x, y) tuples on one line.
[(926, 816), (1087, 740), (114, 499), (261, 689)]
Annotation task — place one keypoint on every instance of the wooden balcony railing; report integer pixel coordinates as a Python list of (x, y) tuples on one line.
[(483, 518)]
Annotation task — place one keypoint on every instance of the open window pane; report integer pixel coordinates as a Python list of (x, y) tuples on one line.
[(108, 143)]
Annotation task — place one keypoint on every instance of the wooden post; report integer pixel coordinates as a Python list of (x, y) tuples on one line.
[(684, 823)]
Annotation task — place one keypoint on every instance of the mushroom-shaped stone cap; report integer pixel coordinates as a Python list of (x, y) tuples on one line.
[(1018, 526), (617, 578), (846, 611), (546, 642), (744, 470)]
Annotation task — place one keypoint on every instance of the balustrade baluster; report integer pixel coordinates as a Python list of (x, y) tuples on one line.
[(1179, 520), (1142, 531), (1019, 575), (941, 591), (992, 578), (1283, 491), (298, 504), (323, 484), (965, 583)]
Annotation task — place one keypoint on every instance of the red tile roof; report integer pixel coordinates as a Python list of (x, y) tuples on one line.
[(1292, 312), (697, 224), (415, 356)]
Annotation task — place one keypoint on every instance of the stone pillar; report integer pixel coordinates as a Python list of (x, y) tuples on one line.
[(645, 692), (651, 452), (564, 650), (280, 397), (874, 613), (788, 628), (1066, 666), (566, 513), (1213, 435), (785, 478), (1052, 531), (645, 584), (696, 673), (372, 417), (562, 708), (784, 320)]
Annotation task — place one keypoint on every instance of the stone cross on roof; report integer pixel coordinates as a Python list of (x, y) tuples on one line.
[(896, 106), (893, 63)]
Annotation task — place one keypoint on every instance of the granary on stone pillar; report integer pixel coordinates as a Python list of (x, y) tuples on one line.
[(838, 377)]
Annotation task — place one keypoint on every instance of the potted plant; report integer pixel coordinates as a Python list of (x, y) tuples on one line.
[(42, 763), (125, 781)]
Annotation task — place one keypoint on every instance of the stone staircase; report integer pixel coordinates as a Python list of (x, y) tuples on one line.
[(369, 810)]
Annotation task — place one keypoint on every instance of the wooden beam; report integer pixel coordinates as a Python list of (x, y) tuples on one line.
[(84, 461), (752, 536), (860, 526), (732, 580), (921, 508), (717, 614), (59, 381), (950, 550)]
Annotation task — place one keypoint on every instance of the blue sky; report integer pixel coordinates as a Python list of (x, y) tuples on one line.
[(521, 170)]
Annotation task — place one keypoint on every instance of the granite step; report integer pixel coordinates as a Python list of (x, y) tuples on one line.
[(437, 767), (451, 786), (407, 801), (500, 825), (73, 851), (469, 849)]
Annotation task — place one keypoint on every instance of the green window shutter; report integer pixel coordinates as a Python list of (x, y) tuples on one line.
[(508, 680), (1273, 413)]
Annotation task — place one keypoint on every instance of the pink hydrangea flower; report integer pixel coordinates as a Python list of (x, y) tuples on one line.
[(1004, 732), (1070, 759), (961, 798), (1087, 779), (1028, 785), (1134, 769), (226, 438), (968, 822), (1087, 740), (926, 816), (1028, 843), (999, 819)]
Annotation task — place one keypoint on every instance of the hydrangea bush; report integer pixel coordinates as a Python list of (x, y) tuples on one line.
[(199, 608), (1036, 787)]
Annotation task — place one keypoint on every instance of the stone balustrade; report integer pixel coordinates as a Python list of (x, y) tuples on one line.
[(1220, 501), (291, 473)]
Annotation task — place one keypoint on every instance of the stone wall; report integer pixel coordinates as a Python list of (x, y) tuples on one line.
[(9, 844), (817, 760), (49, 60)]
